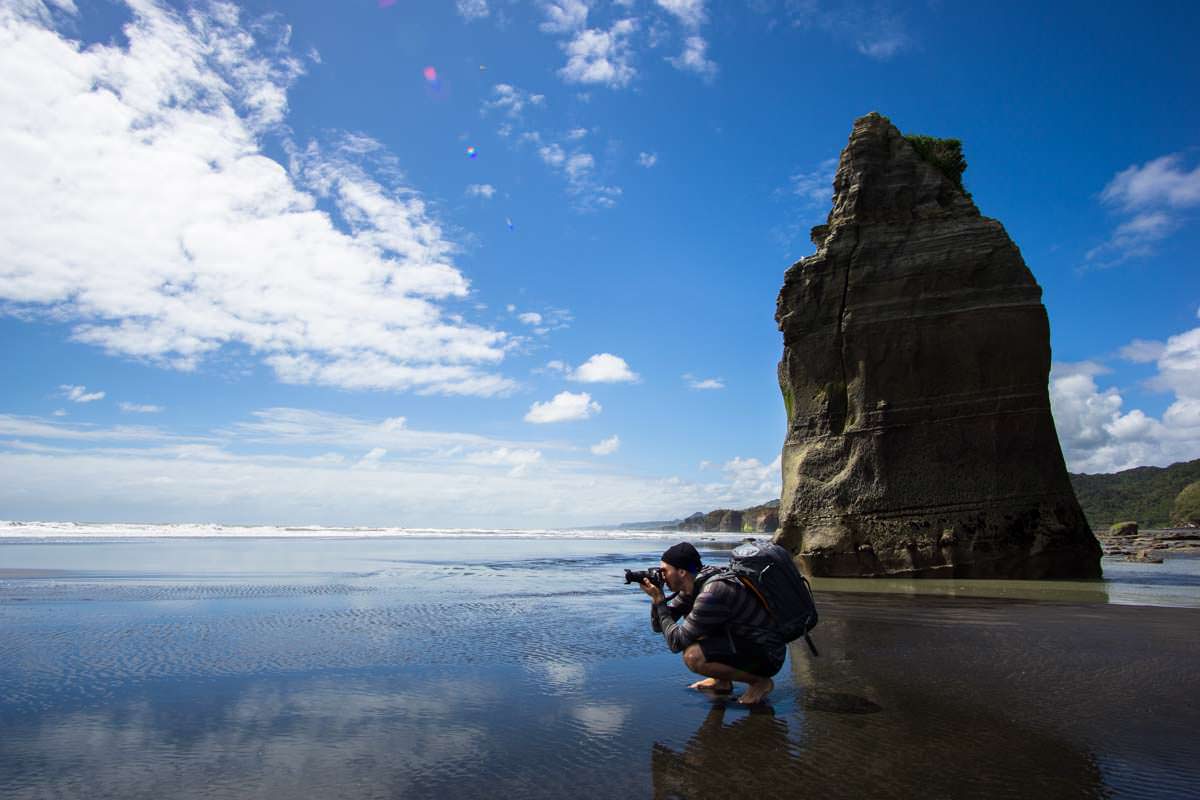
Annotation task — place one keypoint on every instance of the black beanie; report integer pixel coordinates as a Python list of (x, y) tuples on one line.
[(682, 556)]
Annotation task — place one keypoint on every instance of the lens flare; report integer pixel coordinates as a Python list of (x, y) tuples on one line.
[(472, 152), (430, 74)]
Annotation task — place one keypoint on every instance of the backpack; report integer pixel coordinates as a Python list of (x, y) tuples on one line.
[(767, 570)]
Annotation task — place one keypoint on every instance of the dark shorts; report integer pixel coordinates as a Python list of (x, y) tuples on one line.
[(744, 655)]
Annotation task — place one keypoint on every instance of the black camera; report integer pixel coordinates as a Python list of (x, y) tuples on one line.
[(654, 575)]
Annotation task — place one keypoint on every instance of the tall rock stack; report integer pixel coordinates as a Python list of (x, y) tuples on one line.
[(914, 372)]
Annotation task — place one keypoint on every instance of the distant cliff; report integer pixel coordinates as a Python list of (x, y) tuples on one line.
[(756, 519)]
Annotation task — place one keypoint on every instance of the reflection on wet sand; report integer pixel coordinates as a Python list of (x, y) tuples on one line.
[(749, 757), (980, 699), (919, 696), (1055, 591), (281, 738), (445, 679)]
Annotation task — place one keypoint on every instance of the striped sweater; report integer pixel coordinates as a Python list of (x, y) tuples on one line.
[(722, 608)]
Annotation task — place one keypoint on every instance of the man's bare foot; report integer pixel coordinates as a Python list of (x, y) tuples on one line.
[(757, 692), (713, 685)]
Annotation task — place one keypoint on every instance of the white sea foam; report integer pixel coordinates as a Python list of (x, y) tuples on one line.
[(137, 530)]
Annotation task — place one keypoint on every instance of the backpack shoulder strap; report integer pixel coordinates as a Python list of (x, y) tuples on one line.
[(749, 584), (710, 574)]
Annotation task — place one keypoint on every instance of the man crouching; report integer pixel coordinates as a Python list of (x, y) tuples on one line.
[(703, 621)]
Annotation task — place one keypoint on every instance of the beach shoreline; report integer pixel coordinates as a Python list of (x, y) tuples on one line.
[(429, 668)]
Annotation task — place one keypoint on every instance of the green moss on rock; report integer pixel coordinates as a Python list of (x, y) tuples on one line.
[(787, 400)]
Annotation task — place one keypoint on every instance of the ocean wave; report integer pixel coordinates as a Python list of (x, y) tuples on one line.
[(39, 530)]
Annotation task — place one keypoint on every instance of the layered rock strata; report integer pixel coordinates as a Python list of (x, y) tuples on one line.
[(914, 373)]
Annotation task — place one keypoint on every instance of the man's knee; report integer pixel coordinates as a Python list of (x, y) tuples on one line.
[(693, 657)]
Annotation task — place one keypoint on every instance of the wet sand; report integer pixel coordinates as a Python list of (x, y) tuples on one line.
[(408, 670)]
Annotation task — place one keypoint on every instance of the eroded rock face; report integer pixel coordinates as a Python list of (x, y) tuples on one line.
[(914, 371)]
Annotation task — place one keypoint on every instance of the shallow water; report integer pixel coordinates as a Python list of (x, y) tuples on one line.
[(406, 667)]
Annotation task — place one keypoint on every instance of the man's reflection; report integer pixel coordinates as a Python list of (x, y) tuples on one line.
[(748, 754)]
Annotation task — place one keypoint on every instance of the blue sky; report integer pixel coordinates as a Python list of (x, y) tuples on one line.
[(507, 263)]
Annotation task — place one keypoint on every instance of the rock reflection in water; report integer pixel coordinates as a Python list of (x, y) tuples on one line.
[(959, 701), (749, 757)]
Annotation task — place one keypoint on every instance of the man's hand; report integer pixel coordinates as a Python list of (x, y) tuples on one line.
[(655, 593)]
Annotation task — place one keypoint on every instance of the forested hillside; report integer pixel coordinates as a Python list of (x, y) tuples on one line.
[(1142, 494)]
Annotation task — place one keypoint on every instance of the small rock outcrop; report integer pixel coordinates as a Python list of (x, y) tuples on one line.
[(1123, 530), (914, 373)]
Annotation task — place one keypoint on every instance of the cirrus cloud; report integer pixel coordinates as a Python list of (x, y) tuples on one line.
[(606, 447), (1153, 197), (79, 394)]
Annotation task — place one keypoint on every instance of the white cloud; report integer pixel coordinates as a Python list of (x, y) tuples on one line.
[(601, 57), (80, 394), (576, 134), (553, 155), (1133, 238), (690, 13), (1161, 182), (606, 447), (1098, 436), (140, 408), (564, 16), (294, 427), (578, 166), (471, 10), (34, 428), (816, 186), (530, 318), (520, 460), (704, 383), (288, 466), (60, 412), (1153, 196), (883, 44), (694, 58), (372, 459), (1142, 351), (215, 484), (1179, 365), (603, 368), (873, 29), (139, 205), (565, 407), (511, 100), (647, 160), (484, 190), (750, 478)]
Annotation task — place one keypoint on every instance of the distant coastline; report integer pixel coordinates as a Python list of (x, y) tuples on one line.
[(1145, 495)]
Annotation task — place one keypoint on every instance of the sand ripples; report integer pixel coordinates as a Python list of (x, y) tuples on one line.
[(539, 677)]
